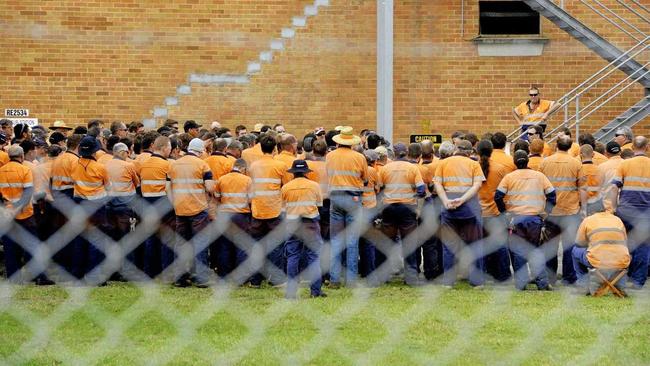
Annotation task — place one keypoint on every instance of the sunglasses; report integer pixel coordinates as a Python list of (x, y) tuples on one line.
[(533, 95), (619, 135)]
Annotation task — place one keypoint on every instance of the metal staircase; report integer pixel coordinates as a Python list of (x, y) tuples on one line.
[(627, 62)]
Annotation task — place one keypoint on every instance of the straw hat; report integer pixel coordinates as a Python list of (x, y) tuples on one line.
[(346, 137), (258, 127), (59, 124)]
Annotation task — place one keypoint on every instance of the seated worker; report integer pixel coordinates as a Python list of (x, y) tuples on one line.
[(534, 111), (601, 243)]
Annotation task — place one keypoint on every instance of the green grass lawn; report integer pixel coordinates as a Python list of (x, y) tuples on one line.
[(122, 324)]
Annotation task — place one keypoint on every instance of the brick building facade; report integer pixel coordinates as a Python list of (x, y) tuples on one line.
[(199, 59)]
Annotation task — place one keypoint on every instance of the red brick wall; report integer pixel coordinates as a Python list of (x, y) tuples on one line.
[(118, 59)]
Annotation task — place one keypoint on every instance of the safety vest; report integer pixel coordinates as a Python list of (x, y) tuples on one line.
[(153, 175), (90, 179), (234, 193), (188, 176), (400, 180), (346, 170), (301, 198), (14, 179), (606, 240), (62, 168), (267, 175)]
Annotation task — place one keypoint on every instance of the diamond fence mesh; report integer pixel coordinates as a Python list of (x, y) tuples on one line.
[(268, 319)]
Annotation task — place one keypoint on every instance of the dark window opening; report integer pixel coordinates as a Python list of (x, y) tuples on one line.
[(507, 17)]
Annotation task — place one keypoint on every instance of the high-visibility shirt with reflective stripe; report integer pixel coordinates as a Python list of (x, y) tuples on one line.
[(301, 198), (153, 174), (234, 190), (457, 174), (219, 164), (90, 179), (137, 162), (267, 174), (188, 176), (574, 150), (319, 175), (564, 173), (14, 178), (606, 240), (400, 179), (347, 170), (123, 178), (369, 195), (500, 165), (535, 162), (105, 158), (607, 172), (590, 182), (533, 116), (252, 154), (42, 175), (525, 192), (287, 158), (548, 150), (62, 168), (4, 157), (633, 178)]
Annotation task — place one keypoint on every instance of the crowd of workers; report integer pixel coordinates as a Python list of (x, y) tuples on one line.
[(209, 204)]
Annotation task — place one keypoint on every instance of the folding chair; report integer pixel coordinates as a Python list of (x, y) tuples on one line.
[(602, 281)]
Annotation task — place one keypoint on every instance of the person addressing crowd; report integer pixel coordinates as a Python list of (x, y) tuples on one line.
[(534, 111)]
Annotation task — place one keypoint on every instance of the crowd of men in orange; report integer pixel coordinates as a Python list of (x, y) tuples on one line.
[(333, 205)]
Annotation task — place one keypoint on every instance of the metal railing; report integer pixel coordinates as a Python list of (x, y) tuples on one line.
[(574, 96)]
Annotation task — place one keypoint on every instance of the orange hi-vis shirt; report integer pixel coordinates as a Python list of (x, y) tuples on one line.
[(535, 162), (627, 146), (564, 173), (457, 174), (347, 170), (599, 158), (268, 175), (400, 179), (301, 198), (123, 178), (234, 191), (90, 179), (42, 175), (633, 179), (533, 116), (252, 154), (525, 192), (14, 179), (427, 175), (548, 150), (575, 150), (286, 157), (590, 182), (500, 165), (607, 172), (369, 196), (62, 168), (606, 240), (153, 174), (105, 158), (188, 176), (4, 157), (319, 175), (220, 164)]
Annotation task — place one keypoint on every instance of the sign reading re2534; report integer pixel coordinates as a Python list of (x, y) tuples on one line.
[(16, 112)]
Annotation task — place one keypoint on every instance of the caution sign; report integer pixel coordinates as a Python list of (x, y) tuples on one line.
[(436, 139)]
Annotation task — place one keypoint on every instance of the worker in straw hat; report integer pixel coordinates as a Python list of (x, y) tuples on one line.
[(60, 126), (348, 172)]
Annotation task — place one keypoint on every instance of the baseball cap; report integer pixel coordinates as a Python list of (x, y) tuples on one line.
[(88, 146), (196, 145), (613, 147), (56, 137), (319, 131), (39, 142), (400, 149)]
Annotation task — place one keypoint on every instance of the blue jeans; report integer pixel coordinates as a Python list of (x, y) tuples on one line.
[(495, 247), (525, 249), (456, 235), (192, 246), (638, 232), (305, 241), (345, 220)]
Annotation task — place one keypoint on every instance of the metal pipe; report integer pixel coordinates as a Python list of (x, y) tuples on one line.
[(608, 19), (621, 18), (577, 117), (633, 11), (641, 6)]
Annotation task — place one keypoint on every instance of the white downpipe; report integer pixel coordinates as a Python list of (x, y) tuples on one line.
[(385, 68)]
